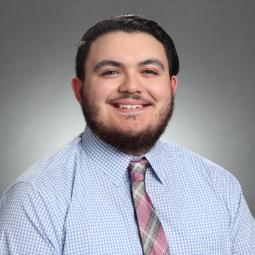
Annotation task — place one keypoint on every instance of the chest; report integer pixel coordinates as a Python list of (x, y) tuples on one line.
[(102, 221)]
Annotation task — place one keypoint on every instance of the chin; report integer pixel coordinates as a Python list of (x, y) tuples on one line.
[(131, 131)]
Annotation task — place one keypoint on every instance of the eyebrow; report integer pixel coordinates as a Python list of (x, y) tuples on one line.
[(109, 62), (152, 61)]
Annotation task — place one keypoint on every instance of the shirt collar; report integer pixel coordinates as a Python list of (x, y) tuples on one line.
[(156, 158), (114, 163)]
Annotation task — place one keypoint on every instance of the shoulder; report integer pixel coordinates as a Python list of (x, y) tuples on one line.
[(60, 164), (198, 170), (210, 185), (51, 178), (191, 160), (35, 206)]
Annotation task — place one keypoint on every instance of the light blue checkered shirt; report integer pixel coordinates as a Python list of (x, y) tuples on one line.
[(78, 201)]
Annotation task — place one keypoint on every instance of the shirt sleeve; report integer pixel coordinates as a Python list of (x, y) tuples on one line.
[(243, 228), (26, 226)]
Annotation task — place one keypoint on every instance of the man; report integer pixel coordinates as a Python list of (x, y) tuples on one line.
[(116, 189)]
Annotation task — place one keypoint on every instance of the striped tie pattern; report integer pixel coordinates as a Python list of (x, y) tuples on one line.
[(152, 235)]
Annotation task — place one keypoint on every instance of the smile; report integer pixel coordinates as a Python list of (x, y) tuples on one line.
[(129, 106)]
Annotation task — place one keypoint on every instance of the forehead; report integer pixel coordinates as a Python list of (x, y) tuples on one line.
[(126, 47)]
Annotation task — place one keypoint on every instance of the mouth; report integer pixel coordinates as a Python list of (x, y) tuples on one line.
[(130, 106)]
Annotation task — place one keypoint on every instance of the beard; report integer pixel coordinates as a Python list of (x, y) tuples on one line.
[(134, 143)]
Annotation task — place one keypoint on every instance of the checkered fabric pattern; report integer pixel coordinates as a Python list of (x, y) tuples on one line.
[(78, 202), (152, 235)]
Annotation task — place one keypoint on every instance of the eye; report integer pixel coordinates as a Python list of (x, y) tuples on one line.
[(109, 73), (150, 72)]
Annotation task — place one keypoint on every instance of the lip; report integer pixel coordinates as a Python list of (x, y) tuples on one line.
[(130, 101), (130, 105)]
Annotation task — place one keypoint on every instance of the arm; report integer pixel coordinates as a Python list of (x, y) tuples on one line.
[(243, 229), (26, 226)]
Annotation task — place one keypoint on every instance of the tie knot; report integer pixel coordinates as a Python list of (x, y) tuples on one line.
[(138, 169)]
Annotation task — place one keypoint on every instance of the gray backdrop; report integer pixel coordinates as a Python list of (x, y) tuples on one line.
[(215, 99)]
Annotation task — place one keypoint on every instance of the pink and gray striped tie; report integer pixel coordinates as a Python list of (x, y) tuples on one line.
[(152, 235)]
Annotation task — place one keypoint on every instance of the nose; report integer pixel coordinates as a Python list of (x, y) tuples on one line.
[(130, 84)]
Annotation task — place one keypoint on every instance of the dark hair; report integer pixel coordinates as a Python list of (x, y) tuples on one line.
[(126, 23)]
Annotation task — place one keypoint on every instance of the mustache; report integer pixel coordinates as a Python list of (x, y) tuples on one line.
[(131, 96)]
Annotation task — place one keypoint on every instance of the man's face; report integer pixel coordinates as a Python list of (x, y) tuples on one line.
[(127, 91)]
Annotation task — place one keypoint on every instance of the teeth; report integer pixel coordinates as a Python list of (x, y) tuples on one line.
[(129, 106)]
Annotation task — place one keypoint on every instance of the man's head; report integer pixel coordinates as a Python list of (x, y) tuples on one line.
[(126, 70), (130, 24)]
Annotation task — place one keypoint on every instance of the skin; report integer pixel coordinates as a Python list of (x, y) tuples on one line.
[(127, 80)]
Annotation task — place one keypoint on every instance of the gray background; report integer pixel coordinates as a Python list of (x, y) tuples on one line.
[(215, 100)]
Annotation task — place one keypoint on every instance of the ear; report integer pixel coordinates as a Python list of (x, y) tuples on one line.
[(76, 86), (173, 81)]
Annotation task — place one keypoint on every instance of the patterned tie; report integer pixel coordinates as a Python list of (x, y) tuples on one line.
[(152, 235)]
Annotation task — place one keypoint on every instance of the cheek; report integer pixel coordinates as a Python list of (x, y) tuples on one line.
[(162, 94), (100, 91), (97, 94)]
